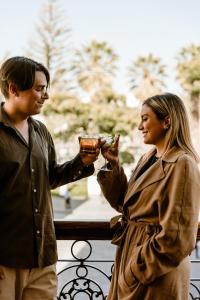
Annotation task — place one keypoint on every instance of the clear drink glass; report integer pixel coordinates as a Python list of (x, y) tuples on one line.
[(109, 140)]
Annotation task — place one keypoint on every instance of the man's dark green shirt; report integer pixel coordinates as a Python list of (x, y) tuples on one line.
[(27, 174)]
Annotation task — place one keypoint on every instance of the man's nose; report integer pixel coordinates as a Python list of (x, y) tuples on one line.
[(45, 95)]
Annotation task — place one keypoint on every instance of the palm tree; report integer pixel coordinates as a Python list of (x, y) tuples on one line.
[(147, 75), (188, 73), (50, 45), (94, 67)]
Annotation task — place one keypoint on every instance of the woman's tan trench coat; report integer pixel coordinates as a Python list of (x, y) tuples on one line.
[(158, 229)]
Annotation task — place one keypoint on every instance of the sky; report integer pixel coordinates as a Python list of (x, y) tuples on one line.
[(131, 27)]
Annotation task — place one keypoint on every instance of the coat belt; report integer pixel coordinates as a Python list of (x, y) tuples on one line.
[(119, 225)]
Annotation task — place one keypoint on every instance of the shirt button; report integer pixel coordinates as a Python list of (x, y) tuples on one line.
[(79, 172), (34, 190), (38, 231), (36, 210), (32, 170)]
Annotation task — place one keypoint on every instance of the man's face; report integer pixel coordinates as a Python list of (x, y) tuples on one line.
[(30, 101)]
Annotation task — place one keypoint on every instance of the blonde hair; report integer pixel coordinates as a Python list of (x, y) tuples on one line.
[(179, 132)]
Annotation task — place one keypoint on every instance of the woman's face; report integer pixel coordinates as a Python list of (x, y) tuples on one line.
[(153, 129)]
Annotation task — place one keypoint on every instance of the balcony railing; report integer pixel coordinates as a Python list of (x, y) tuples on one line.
[(85, 278)]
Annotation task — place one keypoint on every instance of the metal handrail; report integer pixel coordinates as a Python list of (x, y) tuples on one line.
[(87, 230), (83, 275)]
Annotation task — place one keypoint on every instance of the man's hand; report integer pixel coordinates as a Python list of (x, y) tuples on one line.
[(88, 158)]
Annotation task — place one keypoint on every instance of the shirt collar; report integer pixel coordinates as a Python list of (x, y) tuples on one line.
[(34, 122), (3, 116)]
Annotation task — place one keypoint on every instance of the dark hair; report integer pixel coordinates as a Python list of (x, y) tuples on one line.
[(20, 71), (179, 132)]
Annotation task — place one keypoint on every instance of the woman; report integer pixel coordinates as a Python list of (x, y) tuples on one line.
[(159, 205)]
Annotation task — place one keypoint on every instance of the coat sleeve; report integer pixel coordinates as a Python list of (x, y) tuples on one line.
[(113, 185), (178, 214)]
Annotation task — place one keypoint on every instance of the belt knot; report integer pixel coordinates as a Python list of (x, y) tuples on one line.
[(119, 225)]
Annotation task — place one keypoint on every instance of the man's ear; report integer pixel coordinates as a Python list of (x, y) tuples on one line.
[(13, 90), (167, 122)]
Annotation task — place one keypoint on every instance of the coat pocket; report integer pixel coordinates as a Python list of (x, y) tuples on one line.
[(129, 277)]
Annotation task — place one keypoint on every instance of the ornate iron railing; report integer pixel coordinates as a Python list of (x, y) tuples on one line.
[(86, 278)]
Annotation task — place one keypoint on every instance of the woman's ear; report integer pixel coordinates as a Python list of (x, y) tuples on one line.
[(13, 90), (167, 122)]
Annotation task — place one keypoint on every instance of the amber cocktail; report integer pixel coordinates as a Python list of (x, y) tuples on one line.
[(89, 144)]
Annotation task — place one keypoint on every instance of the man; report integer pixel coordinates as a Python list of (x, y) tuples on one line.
[(28, 170)]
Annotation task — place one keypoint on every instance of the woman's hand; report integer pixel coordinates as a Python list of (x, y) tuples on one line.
[(111, 151)]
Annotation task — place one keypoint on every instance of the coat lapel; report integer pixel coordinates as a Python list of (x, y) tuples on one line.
[(153, 174)]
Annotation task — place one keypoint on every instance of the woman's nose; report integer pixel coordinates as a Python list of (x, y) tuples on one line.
[(140, 126)]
